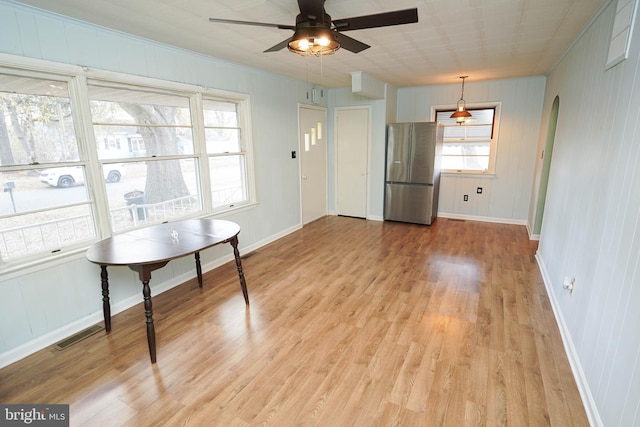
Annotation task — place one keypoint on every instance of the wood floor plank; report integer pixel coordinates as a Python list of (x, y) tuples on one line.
[(351, 323)]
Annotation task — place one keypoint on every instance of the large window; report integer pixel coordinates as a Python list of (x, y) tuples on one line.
[(469, 147), (82, 157), (148, 136)]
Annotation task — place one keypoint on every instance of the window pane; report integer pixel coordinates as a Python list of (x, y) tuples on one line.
[(220, 113), (24, 191), (221, 127), (130, 123), (221, 141), (36, 124), (466, 149), (153, 192), (466, 156), (467, 131), (483, 116), (479, 163), (228, 179), (45, 231)]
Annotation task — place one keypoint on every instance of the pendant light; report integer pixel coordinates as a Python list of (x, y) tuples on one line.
[(461, 114)]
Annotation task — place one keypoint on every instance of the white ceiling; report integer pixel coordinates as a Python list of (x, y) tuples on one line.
[(484, 39)]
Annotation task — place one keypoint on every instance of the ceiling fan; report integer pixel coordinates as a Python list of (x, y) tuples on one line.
[(315, 33)]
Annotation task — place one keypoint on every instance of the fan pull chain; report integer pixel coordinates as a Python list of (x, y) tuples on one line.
[(321, 71)]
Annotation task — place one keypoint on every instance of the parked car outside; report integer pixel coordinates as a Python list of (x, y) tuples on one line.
[(68, 176)]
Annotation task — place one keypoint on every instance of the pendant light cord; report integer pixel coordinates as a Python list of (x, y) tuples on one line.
[(462, 94)]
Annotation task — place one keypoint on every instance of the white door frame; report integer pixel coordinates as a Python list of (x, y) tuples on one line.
[(337, 110)]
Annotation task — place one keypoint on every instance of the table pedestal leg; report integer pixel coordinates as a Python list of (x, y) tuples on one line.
[(243, 283), (199, 269), (106, 306)]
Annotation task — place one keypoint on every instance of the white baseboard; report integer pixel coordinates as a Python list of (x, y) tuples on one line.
[(576, 367), (52, 337), (43, 341), (530, 231), (482, 218)]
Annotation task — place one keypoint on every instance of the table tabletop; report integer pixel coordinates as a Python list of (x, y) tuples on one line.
[(157, 243)]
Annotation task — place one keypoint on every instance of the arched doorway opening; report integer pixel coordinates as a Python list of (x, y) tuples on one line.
[(546, 166)]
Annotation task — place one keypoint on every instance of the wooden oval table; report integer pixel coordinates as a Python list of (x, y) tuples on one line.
[(147, 249)]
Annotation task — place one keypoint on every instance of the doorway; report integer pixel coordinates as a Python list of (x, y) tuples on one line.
[(546, 166), (312, 125), (352, 148)]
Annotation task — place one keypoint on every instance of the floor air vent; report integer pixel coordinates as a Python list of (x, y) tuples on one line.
[(456, 220), (68, 342)]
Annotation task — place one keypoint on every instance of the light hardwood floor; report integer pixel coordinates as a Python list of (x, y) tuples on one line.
[(352, 323)]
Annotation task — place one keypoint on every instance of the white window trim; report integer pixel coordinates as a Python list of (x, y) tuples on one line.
[(493, 150), (78, 77)]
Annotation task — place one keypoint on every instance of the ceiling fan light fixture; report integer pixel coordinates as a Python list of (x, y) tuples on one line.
[(313, 41), (461, 114)]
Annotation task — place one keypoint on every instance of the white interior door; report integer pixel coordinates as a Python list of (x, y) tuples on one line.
[(313, 161), (352, 142)]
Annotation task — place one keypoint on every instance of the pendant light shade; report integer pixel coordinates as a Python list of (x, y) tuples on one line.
[(461, 114)]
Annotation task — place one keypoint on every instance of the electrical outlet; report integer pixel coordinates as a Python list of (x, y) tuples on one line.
[(466, 197), (569, 284)]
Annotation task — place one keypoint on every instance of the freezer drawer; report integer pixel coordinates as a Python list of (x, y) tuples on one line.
[(409, 203)]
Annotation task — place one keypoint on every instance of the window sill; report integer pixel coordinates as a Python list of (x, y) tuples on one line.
[(469, 174), (18, 268), (232, 210)]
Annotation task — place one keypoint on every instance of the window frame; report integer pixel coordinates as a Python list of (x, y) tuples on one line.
[(78, 79), (72, 82), (493, 143), (243, 115)]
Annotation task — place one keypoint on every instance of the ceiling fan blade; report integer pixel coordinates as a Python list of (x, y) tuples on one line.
[(352, 45), (311, 8), (279, 46), (398, 17), (255, 24)]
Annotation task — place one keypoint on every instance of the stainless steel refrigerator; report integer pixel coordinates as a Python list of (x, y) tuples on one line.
[(412, 177)]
